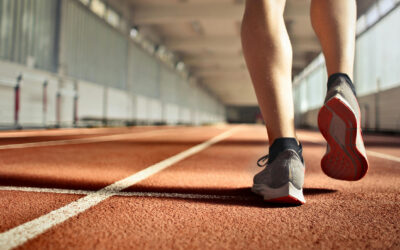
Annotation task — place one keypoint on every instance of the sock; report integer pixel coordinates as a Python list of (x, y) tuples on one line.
[(284, 143), (332, 78)]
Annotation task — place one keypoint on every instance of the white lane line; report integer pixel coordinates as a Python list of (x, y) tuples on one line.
[(45, 190), (105, 138), (69, 131), (60, 132), (129, 194), (383, 156), (369, 152), (22, 233)]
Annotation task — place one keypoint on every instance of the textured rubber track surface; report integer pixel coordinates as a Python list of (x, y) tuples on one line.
[(201, 202), (338, 124)]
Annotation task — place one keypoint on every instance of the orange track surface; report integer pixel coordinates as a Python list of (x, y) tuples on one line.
[(201, 202)]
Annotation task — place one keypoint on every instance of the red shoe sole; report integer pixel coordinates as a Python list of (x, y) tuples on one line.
[(286, 200), (338, 124)]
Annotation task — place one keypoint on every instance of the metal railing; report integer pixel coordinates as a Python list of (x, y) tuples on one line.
[(17, 84)]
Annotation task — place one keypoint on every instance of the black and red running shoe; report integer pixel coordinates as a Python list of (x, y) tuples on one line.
[(339, 121)]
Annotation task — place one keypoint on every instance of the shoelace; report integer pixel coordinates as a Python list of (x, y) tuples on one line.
[(263, 161)]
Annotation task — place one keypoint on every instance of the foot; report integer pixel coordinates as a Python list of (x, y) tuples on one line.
[(339, 121), (282, 179)]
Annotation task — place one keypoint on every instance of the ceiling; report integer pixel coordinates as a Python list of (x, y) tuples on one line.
[(205, 34)]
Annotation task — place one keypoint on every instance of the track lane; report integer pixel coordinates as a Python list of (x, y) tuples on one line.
[(89, 166), (79, 167), (72, 131), (13, 138), (84, 139), (19, 207), (337, 214), (90, 199)]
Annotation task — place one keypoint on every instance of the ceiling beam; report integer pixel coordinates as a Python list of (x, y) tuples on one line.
[(218, 56), (220, 72), (208, 50), (223, 81), (232, 42), (221, 67), (183, 12), (208, 61), (239, 77), (241, 92), (218, 64), (237, 63), (186, 12), (222, 42)]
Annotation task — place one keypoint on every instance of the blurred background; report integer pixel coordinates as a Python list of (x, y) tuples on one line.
[(66, 63)]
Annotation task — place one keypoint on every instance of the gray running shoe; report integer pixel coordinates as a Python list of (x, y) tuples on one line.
[(339, 121), (281, 180)]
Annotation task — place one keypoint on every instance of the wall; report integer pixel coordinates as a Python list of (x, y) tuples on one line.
[(94, 73), (380, 112)]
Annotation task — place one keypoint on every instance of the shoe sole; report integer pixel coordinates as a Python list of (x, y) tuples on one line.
[(287, 194), (338, 124)]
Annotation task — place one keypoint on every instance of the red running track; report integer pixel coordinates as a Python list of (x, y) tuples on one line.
[(202, 201)]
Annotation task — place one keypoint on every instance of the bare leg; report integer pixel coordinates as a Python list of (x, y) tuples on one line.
[(268, 55), (334, 22)]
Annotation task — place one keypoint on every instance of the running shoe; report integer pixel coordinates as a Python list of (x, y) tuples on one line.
[(339, 121), (281, 181)]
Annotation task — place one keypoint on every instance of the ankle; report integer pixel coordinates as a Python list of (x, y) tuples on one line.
[(333, 77), (284, 143)]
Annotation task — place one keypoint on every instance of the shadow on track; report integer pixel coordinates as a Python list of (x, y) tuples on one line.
[(233, 197), (221, 196), (227, 142)]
